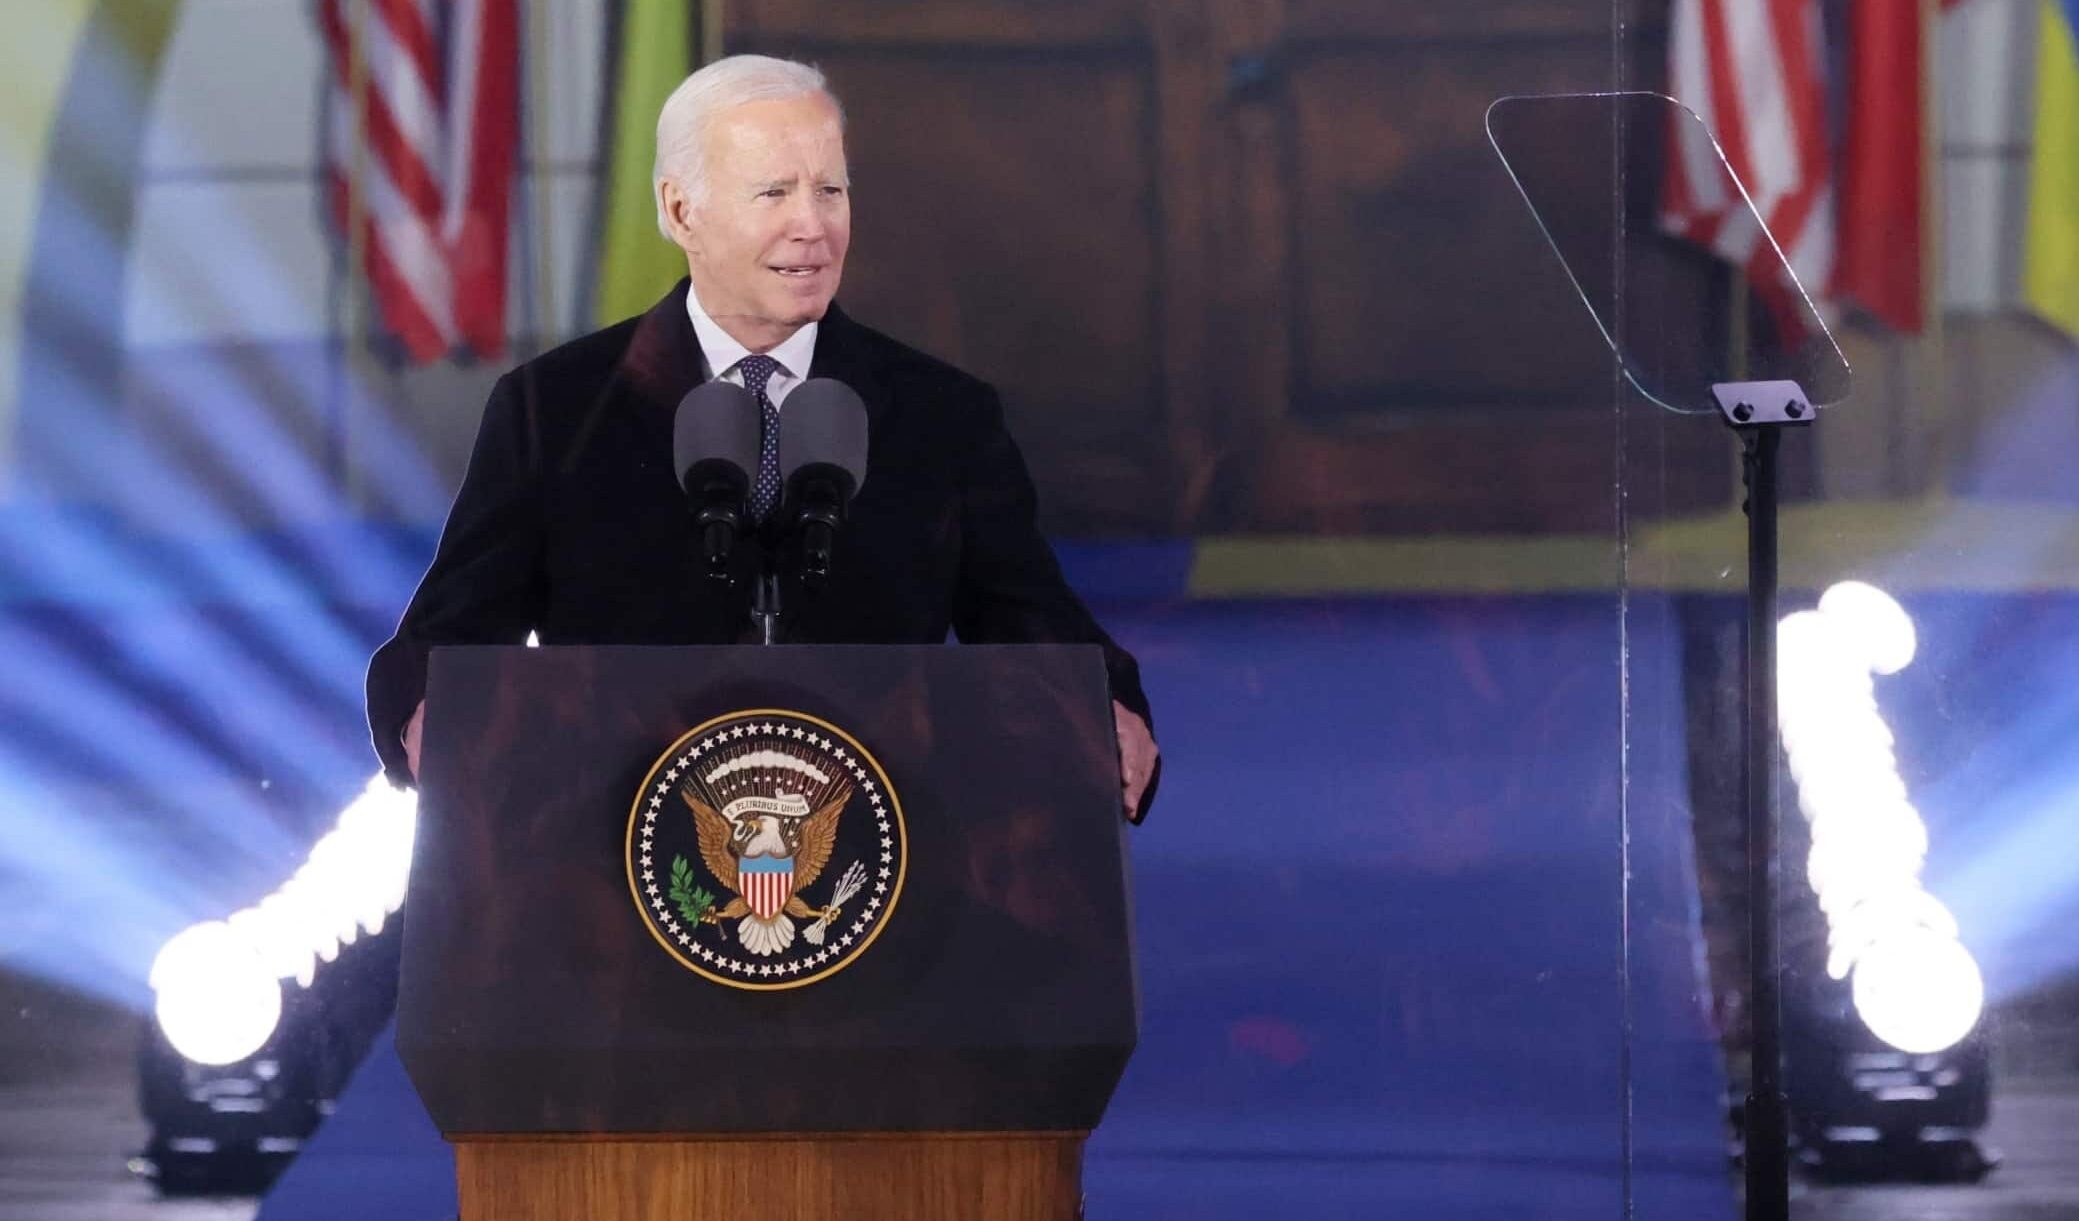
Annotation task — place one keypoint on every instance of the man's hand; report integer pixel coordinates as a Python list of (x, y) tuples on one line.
[(1137, 755), (412, 730)]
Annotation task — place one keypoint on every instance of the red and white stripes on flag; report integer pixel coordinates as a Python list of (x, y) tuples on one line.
[(1753, 70), (767, 890), (424, 162)]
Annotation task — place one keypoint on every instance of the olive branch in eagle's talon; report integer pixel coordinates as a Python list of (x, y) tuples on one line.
[(694, 904)]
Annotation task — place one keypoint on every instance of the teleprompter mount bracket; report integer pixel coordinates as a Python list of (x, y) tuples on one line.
[(1748, 404)]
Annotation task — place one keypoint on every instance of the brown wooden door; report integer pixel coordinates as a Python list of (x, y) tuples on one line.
[(1236, 264)]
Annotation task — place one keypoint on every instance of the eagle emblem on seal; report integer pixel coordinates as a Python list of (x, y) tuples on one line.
[(766, 849), (768, 844)]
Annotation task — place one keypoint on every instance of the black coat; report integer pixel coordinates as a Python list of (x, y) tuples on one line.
[(570, 522)]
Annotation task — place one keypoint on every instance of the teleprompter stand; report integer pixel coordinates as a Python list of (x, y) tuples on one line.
[(1758, 413), (1634, 265)]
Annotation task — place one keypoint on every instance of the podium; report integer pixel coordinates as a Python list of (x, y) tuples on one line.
[(954, 1002)]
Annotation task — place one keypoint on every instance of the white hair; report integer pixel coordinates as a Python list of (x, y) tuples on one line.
[(692, 108)]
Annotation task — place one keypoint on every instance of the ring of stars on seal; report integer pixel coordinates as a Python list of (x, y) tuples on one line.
[(766, 850)]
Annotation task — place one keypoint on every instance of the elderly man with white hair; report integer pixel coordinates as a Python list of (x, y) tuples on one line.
[(570, 522)]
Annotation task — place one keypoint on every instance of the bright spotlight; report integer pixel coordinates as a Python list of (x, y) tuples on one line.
[(217, 1000), (1887, 1070), (1918, 990), (1915, 986), (353, 880)]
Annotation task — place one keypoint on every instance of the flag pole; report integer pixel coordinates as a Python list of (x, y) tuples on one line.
[(585, 283), (1934, 332), (356, 300), (357, 150), (544, 321), (707, 38)]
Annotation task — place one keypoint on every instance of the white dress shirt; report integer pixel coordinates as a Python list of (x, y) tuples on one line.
[(722, 352)]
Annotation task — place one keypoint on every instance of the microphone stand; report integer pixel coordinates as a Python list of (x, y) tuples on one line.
[(813, 510), (765, 600), (722, 531)]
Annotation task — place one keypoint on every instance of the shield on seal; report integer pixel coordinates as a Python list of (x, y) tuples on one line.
[(767, 883)]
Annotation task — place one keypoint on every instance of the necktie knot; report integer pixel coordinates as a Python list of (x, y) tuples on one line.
[(757, 372)]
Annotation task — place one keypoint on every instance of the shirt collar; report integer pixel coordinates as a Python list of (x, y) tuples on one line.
[(722, 351)]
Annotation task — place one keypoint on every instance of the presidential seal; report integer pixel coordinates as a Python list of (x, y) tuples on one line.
[(766, 850)]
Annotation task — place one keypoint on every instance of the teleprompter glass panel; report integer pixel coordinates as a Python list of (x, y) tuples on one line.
[(1647, 255)]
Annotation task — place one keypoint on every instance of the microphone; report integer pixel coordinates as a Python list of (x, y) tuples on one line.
[(714, 449), (823, 461)]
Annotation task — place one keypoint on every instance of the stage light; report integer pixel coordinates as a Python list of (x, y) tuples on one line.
[(1888, 1070), (217, 1000), (240, 1068), (207, 999), (1915, 985), (1918, 990)]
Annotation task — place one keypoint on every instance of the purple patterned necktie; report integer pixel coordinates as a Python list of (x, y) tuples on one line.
[(757, 371)]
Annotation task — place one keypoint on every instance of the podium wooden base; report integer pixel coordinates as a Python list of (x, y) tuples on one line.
[(907, 1177)]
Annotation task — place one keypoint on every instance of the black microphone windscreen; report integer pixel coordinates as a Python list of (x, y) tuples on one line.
[(823, 421), (715, 421)]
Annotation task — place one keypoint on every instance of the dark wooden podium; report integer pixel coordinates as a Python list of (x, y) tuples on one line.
[(950, 1070)]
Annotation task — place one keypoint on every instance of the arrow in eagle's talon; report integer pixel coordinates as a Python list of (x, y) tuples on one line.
[(847, 886)]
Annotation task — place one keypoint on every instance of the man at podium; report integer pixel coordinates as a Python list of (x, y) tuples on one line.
[(570, 522)]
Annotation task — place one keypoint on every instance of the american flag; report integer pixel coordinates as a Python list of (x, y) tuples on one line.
[(421, 134), (1754, 71)]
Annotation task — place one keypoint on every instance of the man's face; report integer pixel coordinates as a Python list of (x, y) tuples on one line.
[(766, 247)]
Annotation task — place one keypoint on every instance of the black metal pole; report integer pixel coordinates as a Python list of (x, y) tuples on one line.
[(1767, 1123), (765, 604)]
